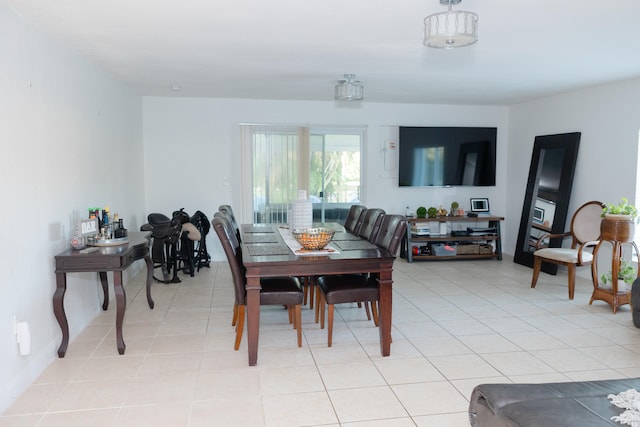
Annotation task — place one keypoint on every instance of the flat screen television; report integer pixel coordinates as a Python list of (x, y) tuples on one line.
[(447, 156)]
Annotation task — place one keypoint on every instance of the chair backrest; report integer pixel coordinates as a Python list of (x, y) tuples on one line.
[(350, 224), (226, 209), (392, 231), (585, 223), (371, 224), (231, 247)]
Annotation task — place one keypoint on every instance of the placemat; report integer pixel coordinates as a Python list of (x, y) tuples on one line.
[(267, 249), (257, 228), (341, 235), (261, 238), (349, 245)]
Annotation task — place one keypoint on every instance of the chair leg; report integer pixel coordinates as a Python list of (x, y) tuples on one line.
[(366, 309), (290, 313), (537, 265), (330, 326), (318, 303), (298, 323), (322, 302), (235, 315), (374, 309), (239, 327), (572, 279)]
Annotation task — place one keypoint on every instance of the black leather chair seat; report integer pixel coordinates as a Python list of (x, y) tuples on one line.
[(570, 404), (280, 291), (345, 288)]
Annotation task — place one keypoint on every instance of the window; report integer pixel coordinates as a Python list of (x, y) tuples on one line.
[(280, 160)]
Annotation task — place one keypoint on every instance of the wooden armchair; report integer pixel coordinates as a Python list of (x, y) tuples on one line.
[(584, 233)]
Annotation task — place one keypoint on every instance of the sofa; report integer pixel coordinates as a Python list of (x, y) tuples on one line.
[(570, 404)]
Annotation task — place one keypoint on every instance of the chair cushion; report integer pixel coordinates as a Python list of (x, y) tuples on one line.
[(343, 288), (563, 255), (280, 290)]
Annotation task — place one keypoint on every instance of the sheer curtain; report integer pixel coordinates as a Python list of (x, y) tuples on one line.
[(275, 163)]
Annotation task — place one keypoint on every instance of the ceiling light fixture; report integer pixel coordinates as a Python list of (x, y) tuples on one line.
[(446, 30), (349, 89)]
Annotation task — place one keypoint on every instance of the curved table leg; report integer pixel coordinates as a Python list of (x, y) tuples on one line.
[(105, 289), (147, 260), (121, 305), (58, 310)]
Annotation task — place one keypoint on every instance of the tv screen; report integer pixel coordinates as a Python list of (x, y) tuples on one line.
[(447, 156)]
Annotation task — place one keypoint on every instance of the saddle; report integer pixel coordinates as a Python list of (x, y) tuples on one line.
[(166, 233)]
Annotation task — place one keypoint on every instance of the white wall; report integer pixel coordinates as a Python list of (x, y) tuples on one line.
[(608, 117), (192, 144), (71, 139)]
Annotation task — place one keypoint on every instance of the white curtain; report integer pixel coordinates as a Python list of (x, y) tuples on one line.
[(275, 163)]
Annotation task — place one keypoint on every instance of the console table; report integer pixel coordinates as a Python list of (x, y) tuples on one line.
[(108, 258), (490, 237)]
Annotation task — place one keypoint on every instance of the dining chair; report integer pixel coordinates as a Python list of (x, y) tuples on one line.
[(274, 290), (226, 209), (371, 224), (349, 288), (351, 223), (584, 232)]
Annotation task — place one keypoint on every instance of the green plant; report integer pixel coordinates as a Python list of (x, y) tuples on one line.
[(421, 212), (622, 208), (432, 212), (454, 205), (626, 273)]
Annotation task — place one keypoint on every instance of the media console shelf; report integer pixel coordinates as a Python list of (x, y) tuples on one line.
[(455, 224)]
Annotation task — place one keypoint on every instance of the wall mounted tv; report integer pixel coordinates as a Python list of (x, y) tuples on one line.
[(447, 156)]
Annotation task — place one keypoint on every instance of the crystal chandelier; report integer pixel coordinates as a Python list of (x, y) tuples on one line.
[(349, 89), (446, 30)]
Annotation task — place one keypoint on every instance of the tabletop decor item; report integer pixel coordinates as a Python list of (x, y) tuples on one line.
[(313, 238), (301, 212)]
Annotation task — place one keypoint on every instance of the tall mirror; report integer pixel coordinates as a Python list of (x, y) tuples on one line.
[(546, 200)]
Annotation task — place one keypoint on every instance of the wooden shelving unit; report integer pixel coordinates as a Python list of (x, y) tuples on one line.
[(420, 240)]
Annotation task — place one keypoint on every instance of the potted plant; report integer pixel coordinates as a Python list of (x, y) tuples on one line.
[(618, 221), (623, 210), (432, 212), (626, 273), (454, 208), (421, 212)]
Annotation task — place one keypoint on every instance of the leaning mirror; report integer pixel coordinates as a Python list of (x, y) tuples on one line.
[(546, 200)]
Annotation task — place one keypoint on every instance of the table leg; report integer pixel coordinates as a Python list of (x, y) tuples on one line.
[(58, 310), (149, 262), (385, 290), (121, 305), (253, 317), (105, 289)]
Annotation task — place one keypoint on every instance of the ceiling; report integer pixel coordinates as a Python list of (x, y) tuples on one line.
[(297, 49)]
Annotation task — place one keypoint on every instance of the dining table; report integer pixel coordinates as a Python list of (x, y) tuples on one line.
[(267, 251)]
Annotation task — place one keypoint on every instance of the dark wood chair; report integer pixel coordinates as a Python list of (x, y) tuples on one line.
[(370, 225), (358, 288), (584, 233), (351, 223), (275, 290)]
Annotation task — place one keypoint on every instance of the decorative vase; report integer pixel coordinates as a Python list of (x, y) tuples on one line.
[(301, 212), (617, 228)]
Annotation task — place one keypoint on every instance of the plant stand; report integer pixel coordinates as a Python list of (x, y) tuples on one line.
[(618, 232)]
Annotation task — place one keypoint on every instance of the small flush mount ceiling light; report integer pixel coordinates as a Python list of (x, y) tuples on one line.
[(446, 30), (349, 89)]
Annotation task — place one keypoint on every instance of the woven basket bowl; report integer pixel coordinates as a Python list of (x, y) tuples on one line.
[(313, 238)]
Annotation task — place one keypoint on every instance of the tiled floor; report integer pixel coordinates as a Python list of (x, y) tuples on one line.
[(456, 324)]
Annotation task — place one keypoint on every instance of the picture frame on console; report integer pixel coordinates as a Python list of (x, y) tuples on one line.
[(479, 205)]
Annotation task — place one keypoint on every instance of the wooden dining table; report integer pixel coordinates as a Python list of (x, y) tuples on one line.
[(265, 254)]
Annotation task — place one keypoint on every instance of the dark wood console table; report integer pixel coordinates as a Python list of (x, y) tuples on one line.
[(107, 258)]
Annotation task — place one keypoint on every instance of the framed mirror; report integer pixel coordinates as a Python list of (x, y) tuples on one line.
[(546, 200)]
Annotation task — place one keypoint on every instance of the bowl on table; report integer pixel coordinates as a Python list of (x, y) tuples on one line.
[(313, 239)]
